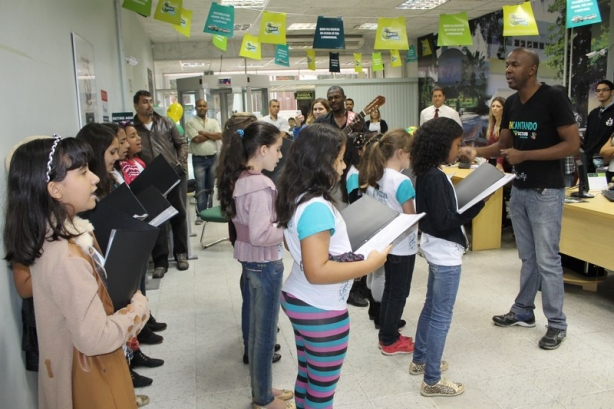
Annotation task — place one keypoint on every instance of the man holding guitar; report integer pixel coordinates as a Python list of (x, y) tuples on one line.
[(339, 116)]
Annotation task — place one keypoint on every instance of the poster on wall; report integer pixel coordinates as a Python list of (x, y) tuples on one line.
[(105, 105), (85, 80)]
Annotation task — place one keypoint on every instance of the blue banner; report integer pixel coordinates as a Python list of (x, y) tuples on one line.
[(282, 56), (411, 54), (329, 33), (221, 20), (582, 13)]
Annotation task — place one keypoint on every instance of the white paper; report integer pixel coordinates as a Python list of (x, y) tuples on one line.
[(597, 182), (388, 234), (492, 189)]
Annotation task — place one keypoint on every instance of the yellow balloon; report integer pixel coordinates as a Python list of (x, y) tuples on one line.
[(175, 111)]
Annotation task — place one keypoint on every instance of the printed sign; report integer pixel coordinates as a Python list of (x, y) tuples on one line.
[(169, 11), (454, 30), (272, 28), (250, 48), (220, 42), (143, 7), (282, 55), (395, 59), (186, 23), (333, 62), (391, 34), (329, 33), (582, 13), (376, 62), (411, 54), (519, 20), (311, 59), (220, 21), (357, 62)]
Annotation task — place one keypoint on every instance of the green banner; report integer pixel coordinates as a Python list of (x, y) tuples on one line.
[(376, 62), (220, 42), (395, 59), (169, 11), (143, 7), (282, 55), (251, 48), (311, 59), (329, 33), (272, 28), (411, 54), (519, 20), (357, 62), (186, 23), (454, 30), (220, 21), (391, 34)]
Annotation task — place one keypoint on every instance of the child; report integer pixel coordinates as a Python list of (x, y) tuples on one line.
[(443, 243), (82, 363), (314, 295), (381, 178), (247, 197), (119, 131), (132, 165), (105, 147)]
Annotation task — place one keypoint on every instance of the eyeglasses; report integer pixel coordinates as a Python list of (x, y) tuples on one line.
[(603, 89)]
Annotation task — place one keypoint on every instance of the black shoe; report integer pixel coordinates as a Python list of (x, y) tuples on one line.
[(553, 338), (159, 272), (276, 358), (140, 359), (148, 337), (277, 347), (356, 300), (139, 381), (154, 325), (182, 262), (511, 319)]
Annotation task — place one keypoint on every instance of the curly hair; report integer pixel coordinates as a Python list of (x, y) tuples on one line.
[(377, 153), (432, 144), (234, 156), (310, 169)]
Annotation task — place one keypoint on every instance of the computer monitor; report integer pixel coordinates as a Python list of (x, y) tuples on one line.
[(580, 160)]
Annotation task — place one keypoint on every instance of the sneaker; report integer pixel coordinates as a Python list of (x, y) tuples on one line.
[(418, 369), (402, 346), (553, 338), (142, 400), (182, 262), (407, 340), (159, 272), (442, 388), (510, 319)]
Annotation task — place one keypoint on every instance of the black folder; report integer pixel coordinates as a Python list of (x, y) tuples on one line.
[(158, 173), (122, 198), (126, 261), (158, 208)]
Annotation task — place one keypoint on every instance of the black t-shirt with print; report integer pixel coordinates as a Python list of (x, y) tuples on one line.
[(533, 126)]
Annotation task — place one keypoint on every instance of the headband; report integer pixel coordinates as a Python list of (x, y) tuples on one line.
[(56, 140)]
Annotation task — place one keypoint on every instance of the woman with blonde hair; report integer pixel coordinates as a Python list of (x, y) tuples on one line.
[(494, 125), (319, 107)]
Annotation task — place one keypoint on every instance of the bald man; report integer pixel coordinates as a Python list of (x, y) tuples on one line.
[(202, 133), (538, 129)]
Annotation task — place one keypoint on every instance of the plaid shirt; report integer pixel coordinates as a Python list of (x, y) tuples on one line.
[(570, 166)]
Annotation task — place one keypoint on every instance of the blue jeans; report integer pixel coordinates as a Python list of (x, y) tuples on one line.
[(536, 217), (205, 179), (435, 319), (264, 283), (399, 271)]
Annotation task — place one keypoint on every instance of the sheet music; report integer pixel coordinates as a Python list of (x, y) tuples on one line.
[(389, 233)]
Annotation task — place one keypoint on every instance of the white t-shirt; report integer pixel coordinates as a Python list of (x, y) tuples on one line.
[(315, 216), (440, 251), (281, 123), (395, 189)]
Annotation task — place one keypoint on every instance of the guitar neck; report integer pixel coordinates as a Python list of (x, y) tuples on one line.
[(348, 129)]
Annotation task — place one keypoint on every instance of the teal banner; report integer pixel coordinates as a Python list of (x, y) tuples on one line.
[(221, 20), (582, 13), (282, 55), (333, 62), (411, 54), (329, 33)]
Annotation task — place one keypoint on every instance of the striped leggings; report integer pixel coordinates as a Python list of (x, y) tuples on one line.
[(321, 344)]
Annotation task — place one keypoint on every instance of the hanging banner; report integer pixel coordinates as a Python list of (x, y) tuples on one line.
[(186, 23), (311, 59), (220, 21), (220, 42), (250, 48), (582, 13), (169, 11), (376, 62), (395, 59), (411, 54), (357, 62), (272, 28), (519, 20), (454, 30), (391, 34), (329, 33), (282, 55), (143, 7), (333, 62)]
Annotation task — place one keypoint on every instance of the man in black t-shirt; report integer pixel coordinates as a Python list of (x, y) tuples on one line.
[(538, 129), (600, 123), (339, 117)]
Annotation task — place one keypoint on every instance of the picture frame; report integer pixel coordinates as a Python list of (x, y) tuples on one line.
[(85, 80)]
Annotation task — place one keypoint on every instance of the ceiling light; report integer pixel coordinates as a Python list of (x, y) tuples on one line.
[(243, 4), (367, 26), (242, 27), (302, 26), (420, 4)]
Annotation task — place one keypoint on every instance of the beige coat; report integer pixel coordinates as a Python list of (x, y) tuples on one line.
[(70, 314)]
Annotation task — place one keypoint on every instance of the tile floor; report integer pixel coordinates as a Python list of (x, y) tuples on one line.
[(501, 367)]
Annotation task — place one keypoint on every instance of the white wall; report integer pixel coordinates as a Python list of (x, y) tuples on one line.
[(38, 96)]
